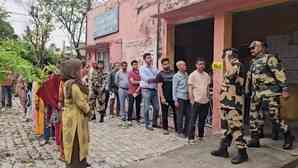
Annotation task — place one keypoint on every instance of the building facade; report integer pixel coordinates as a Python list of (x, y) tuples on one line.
[(195, 28)]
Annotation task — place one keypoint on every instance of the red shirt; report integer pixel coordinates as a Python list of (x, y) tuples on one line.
[(135, 75)]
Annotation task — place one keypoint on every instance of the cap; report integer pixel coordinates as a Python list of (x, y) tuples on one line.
[(254, 43), (231, 51)]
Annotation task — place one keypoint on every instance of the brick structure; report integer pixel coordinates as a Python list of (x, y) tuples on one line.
[(138, 29)]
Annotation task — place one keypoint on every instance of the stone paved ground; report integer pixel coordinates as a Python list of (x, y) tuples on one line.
[(110, 145), (198, 156), (114, 147)]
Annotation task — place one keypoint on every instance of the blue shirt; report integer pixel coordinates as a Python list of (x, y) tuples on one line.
[(180, 88), (148, 73)]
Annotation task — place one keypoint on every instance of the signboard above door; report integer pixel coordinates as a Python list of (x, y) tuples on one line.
[(107, 23)]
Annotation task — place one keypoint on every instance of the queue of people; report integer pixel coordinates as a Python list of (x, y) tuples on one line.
[(80, 93)]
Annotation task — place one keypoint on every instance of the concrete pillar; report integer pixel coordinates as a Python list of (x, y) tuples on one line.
[(168, 49), (222, 39)]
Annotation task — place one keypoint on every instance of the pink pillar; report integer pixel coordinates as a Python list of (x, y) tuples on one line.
[(222, 39), (93, 56), (168, 45)]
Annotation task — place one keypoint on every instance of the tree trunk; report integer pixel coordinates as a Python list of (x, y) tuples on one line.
[(78, 53)]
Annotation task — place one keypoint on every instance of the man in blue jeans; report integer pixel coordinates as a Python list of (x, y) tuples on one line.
[(122, 83), (149, 90)]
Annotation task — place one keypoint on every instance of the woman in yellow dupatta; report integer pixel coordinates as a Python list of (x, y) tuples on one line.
[(75, 116)]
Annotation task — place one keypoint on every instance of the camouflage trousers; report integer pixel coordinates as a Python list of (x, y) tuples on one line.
[(97, 104), (258, 108), (234, 130)]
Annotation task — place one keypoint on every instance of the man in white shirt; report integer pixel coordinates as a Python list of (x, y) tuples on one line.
[(198, 88)]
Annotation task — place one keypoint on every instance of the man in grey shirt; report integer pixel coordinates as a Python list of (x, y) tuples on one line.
[(180, 97), (122, 83)]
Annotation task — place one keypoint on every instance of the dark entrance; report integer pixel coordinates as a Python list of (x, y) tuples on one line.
[(194, 40)]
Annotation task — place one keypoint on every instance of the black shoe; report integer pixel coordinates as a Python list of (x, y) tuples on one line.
[(101, 119), (240, 157), (222, 151), (261, 135), (255, 141), (289, 140), (93, 117), (155, 126)]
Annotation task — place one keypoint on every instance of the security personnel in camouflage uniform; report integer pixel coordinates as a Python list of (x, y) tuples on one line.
[(268, 82), (97, 90), (232, 106)]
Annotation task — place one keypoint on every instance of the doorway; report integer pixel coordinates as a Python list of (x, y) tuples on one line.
[(195, 40)]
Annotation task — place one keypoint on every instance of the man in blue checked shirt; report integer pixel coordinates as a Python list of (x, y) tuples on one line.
[(149, 90)]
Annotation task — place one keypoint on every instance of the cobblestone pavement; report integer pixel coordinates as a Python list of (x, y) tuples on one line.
[(110, 147)]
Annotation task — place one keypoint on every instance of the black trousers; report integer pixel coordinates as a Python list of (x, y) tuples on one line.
[(107, 96), (75, 156), (165, 114), (183, 116), (201, 111), (137, 101)]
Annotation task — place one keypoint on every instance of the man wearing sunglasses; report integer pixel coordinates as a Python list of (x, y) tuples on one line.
[(268, 83)]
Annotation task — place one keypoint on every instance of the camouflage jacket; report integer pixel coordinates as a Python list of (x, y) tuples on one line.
[(266, 75), (96, 83), (232, 89)]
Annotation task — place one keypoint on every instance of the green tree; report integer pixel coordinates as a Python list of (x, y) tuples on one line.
[(15, 56), (72, 16), (53, 56), (39, 34), (11, 52), (6, 30)]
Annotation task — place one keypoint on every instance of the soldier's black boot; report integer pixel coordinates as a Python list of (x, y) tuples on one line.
[(240, 157), (255, 141), (222, 151), (93, 117), (261, 135), (289, 140), (102, 116), (275, 131)]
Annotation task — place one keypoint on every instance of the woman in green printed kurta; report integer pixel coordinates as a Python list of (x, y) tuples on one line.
[(75, 116)]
